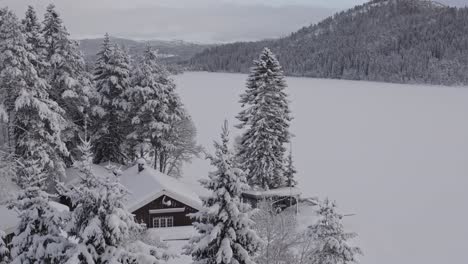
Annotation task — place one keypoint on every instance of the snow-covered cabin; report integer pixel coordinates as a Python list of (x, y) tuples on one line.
[(281, 198), (156, 199), (159, 200)]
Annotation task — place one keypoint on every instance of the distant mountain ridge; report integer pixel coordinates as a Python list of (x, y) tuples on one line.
[(401, 41), (171, 52)]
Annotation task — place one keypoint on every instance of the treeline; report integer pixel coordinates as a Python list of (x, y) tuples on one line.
[(171, 53), (403, 41), (48, 99)]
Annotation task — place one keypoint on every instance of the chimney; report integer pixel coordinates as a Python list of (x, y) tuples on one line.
[(141, 164)]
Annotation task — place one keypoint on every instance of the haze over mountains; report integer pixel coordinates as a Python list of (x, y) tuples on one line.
[(171, 52)]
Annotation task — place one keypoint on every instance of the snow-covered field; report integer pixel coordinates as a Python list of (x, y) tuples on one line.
[(395, 155)]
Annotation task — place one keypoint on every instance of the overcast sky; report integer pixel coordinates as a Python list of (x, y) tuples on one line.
[(205, 21)]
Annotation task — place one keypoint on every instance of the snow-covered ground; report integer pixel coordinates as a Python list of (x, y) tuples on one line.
[(395, 155)]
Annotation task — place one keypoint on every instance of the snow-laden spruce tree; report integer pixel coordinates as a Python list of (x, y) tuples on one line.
[(156, 108), (36, 121), (103, 227), (112, 79), (38, 237), (290, 171), (224, 225), (265, 118), (330, 238), (70, 84), (32, 32), (4, 251)]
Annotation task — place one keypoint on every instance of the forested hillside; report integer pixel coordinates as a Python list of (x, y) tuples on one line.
[(400, 41)]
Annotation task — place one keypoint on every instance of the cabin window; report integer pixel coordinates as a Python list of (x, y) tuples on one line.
[(161, 222)]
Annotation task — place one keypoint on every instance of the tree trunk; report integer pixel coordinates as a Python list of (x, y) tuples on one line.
[(155, 158), (161, 162)]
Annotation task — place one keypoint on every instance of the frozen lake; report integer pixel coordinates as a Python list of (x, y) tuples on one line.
[(395, 155)]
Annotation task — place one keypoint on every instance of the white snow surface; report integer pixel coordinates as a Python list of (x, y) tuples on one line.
[(59, 207), (149, 184), (8, 219), (173, 233), (395, 155), (176, 247), (306, 216), (175, 238)]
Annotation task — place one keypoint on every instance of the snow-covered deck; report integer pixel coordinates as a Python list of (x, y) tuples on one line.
[(279, 192)]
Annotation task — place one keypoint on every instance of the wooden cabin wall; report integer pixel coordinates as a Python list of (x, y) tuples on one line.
[(143, 215)]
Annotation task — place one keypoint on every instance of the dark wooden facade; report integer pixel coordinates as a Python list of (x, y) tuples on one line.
[(144, 214)]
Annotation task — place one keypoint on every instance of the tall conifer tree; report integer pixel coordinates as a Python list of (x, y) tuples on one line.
[(35, 119), (265, 118), (112, 77), (156, 107), (290, 171), (32, 31), (70, 84)]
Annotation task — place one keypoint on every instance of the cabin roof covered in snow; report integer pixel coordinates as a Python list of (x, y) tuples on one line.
[(8, 219), (73, 174), (150, 184), (279, 192)]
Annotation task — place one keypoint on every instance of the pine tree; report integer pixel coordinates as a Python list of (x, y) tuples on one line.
[(70, 85), (38, 237), (100, 222), (32, 32), (4, 251), (36, 121), (224, 225), (331, 239), (266, 118), (156, 107), (112, 76), (290, 171)]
